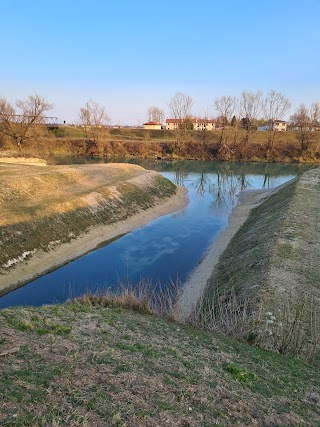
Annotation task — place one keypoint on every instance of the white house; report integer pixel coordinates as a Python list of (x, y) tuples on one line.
[(277, 125)]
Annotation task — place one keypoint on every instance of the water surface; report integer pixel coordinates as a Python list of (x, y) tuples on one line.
[(167, 249)]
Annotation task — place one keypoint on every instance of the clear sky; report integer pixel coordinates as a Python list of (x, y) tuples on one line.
[(130, 54)]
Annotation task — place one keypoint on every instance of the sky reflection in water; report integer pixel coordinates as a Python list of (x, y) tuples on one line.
[(166, 249)]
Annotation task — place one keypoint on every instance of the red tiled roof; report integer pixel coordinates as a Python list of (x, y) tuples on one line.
[(174, 120), (152, 123), (192, 119)]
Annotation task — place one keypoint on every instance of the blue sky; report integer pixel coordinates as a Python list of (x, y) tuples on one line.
[(128, 55)]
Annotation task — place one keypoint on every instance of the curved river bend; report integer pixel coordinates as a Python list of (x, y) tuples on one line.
[(167, 249)]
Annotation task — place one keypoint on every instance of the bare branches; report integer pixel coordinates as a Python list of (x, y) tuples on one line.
[(301, 118), (315, 114), (275, 106), (250, 110), (306, 120), (33, 109), (94, 114), (93, 117), (21, 124), (155, 114), (226, 106), (251, 105), (180, 106)]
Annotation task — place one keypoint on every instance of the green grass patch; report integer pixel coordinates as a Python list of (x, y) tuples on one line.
[(240, 374), (40, 325)]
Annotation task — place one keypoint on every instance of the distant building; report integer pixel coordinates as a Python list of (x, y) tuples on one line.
[(152, 125), (312, 127), (198, 123), (277, 125)]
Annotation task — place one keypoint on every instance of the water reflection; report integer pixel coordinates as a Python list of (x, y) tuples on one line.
[(168, 247)]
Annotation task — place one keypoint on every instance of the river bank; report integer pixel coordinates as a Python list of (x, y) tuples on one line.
[(194, 287), (88, 205), (264, 270), (168, 145)]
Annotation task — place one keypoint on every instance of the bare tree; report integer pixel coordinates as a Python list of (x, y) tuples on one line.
[(203, 135), (180, 106), (315, 115), (226, 107), (23, 123), (275, 107), (250, 107), (94, 118), (155, 114), (306, 120)]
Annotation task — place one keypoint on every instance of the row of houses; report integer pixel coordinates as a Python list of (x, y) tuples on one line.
[(173, 124), (208, 124)]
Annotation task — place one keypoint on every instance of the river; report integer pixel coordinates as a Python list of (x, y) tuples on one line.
[(168, 249)]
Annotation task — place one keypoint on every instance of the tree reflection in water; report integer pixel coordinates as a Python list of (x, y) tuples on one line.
[(223, 185)]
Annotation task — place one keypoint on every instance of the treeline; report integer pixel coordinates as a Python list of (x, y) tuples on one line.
[(23, 126), (249, 111), (24, 123), (146, 144)]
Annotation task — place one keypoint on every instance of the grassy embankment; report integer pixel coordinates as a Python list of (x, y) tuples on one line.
[(42, 208), (79, 364), (168, 145), (91, 362), (266, 283)]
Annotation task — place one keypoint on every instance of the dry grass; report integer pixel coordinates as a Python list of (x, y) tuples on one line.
[(105, 366), (41, 208), (143, 297), (292, 329), (31, 193)]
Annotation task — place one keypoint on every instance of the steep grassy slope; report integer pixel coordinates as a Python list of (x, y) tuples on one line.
[(85, 365), (278, 246), (43, 208), (273, 261)]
